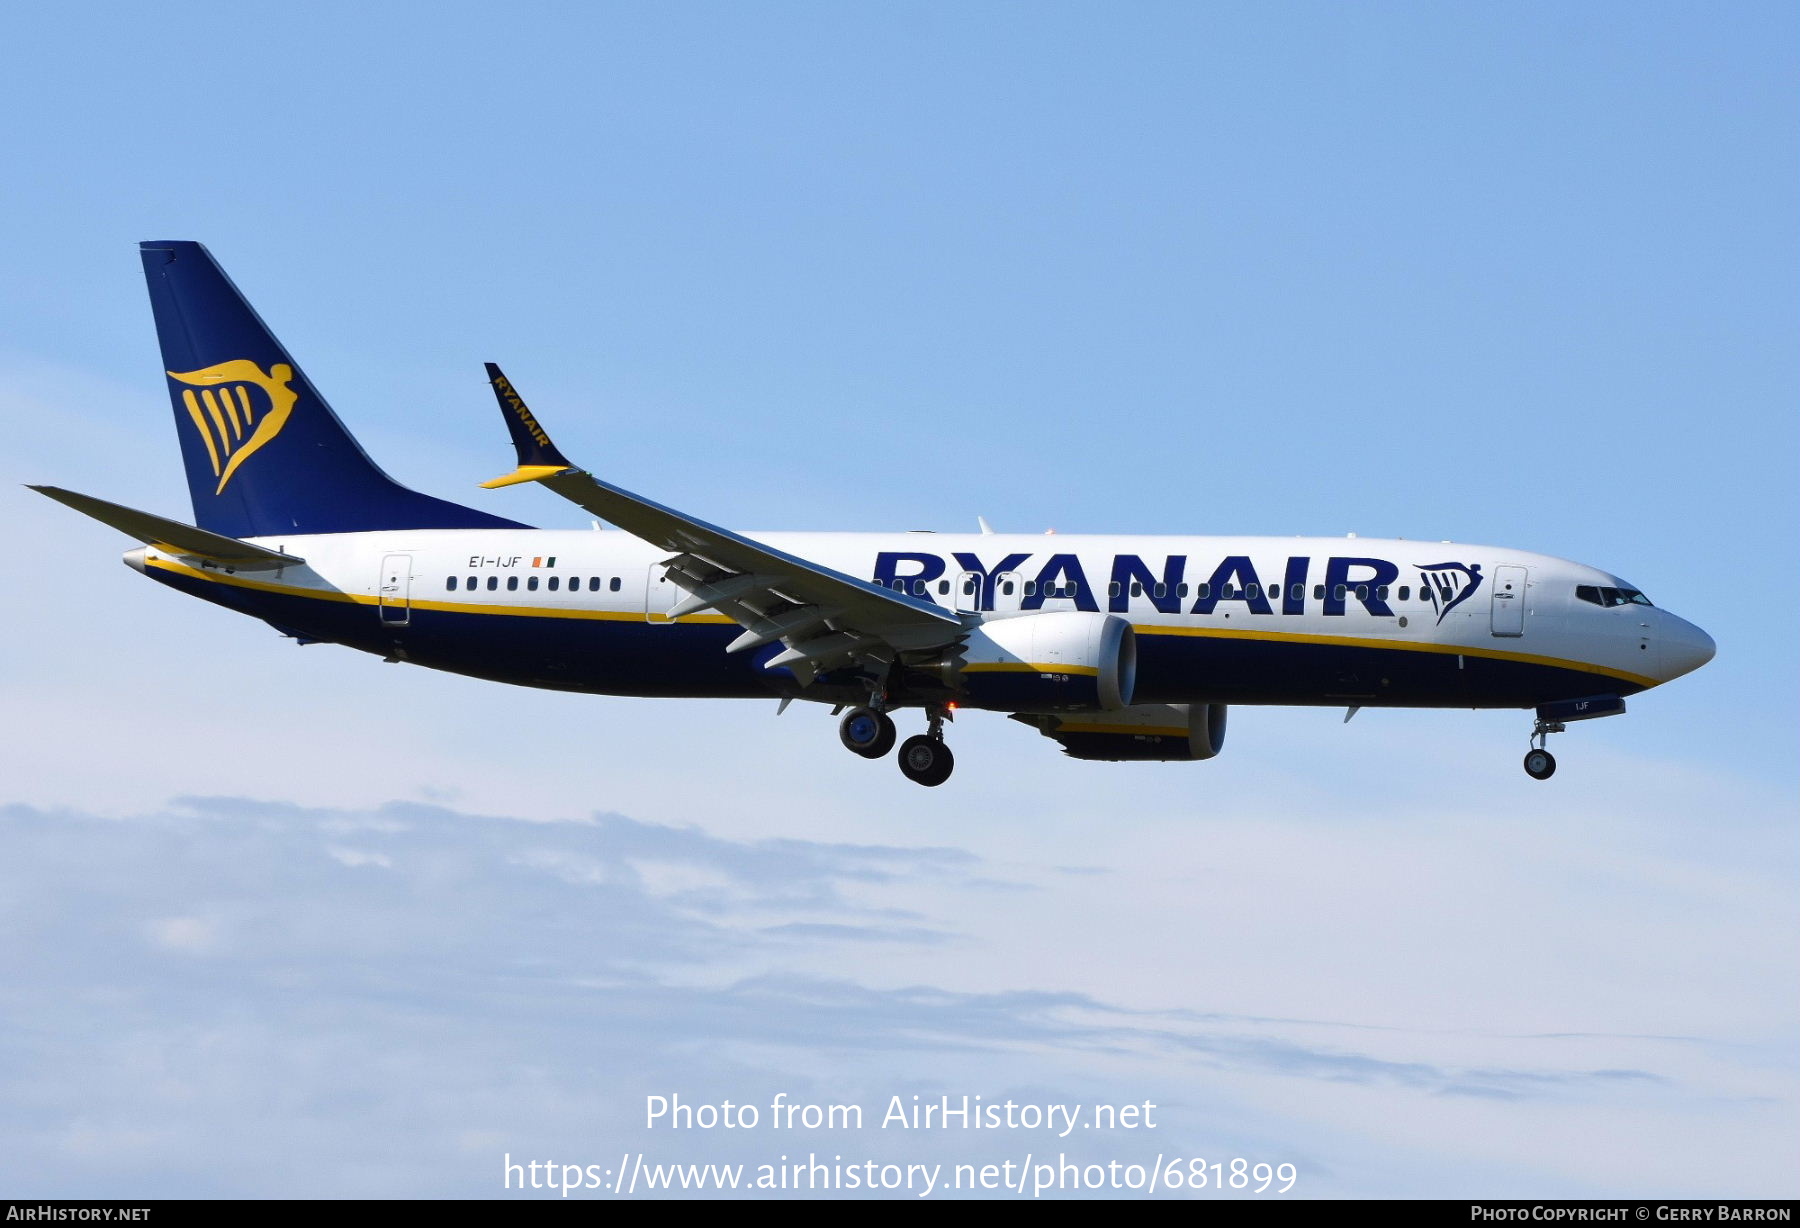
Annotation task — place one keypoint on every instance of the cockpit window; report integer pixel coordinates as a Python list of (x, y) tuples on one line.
[(1610, 596)]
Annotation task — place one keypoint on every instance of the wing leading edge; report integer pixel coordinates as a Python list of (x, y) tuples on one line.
[(822, 617), (174, 537)]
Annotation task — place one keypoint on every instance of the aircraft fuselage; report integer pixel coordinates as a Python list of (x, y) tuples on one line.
[(1330, 621)]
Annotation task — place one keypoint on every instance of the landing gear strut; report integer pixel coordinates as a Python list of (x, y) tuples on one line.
[(924, 759), (1540, 764)]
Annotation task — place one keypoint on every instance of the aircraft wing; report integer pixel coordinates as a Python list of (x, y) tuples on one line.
[(824, 618)]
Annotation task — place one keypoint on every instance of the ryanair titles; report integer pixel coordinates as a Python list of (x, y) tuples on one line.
[(1172, 586)]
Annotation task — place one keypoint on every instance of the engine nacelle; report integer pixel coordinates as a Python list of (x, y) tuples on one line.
[(1067, 661), (1149, 731)]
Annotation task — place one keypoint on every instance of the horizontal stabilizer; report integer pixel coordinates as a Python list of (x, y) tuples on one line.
[(171, 536)]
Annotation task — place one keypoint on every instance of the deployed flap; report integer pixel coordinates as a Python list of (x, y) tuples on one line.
[(172, 536), (822, 616)]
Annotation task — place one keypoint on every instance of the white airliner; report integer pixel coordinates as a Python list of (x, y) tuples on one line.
[(1118, 648)]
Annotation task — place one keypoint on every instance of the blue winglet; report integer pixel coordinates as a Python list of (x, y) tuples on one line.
[(538, 457)]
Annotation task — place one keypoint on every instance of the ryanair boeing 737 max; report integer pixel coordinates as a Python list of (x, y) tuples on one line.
[(1117, 648)]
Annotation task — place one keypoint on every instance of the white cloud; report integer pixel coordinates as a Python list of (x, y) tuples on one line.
[(357, 857), (392, 1033), (187, 935)]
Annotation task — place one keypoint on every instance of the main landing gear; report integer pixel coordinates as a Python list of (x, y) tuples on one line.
[(924, 759), (867, 732), (1540, 764)]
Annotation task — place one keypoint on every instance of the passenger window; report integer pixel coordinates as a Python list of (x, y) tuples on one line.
[(1202, 591), (1298, 592), (493, 583), (1031, 588), (1362, 592), (554, 581), (531, 583), (1252, 591), (968, 586), (1161, 590), (1405, 592), (918, 588), (1137, 588), (1337, 592), (1112, 590), (943, 587), (1381, 593), (613, 584), (512, 584), (1007, 588), (450, 585), (1319, 592), (1181, 590)]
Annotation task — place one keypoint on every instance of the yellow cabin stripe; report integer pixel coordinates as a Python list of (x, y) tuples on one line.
[(1455, 650), (534, 611), (453, 607)]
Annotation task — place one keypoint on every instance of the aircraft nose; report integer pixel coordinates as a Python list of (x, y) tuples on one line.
[(1685, 648)]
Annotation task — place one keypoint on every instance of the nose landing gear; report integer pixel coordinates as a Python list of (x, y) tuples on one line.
[(1540, 764), (1553, 717)]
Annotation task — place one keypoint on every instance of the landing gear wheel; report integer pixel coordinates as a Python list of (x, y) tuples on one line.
[(926, 761), (1540, 765), (869, 733)]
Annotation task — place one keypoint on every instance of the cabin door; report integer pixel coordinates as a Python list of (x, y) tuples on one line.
[(393, 591), (659, 594), (967, 593), (1509, 601)]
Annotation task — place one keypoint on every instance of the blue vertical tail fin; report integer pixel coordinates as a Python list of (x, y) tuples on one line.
[(263, 451)]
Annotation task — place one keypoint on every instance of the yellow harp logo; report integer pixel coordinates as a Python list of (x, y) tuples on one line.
[(233, 420)]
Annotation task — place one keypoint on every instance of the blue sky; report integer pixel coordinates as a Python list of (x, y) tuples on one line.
[(1523, 275)]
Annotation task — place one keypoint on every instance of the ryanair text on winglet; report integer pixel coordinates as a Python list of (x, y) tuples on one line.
[(505, 389)]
